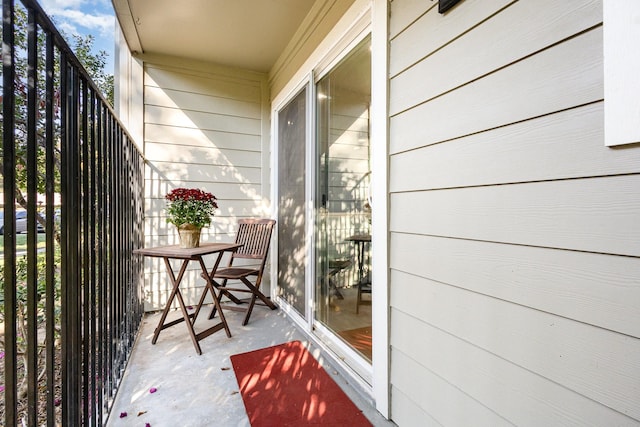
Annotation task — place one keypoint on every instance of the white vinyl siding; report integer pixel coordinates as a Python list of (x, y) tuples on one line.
[(514, 231), (203, 129)]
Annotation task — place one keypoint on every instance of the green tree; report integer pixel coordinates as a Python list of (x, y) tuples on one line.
[(94, 63)]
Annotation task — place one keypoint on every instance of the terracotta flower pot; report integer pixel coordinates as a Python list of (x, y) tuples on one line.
[(189, 236)]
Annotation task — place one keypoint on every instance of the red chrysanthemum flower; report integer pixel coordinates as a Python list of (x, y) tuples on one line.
[(190, 206)]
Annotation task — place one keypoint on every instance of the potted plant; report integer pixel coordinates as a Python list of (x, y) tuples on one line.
[(190, 209)]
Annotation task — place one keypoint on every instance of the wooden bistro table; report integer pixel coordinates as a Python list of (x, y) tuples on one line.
[(192, 254)]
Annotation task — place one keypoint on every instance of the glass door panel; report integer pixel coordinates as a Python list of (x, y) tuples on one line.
[(343, 220), (292, 131)]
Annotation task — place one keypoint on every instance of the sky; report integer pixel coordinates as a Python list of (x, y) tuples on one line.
[(83, 17)]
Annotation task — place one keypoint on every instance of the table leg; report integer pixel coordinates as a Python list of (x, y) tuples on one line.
[(205, 276), (189, 323), (175, 283), (176, 293), (216, 302), (360, 251)]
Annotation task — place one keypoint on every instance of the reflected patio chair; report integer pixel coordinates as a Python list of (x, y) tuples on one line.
[(255, 237), (364, 287), (336, 266), (364, 280)]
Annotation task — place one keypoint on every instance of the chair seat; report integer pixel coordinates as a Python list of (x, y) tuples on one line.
[(336, 265), (254, 238), (235, 273), (365, 287)]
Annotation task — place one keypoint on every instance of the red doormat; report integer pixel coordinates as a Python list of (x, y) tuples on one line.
[(284, 385)]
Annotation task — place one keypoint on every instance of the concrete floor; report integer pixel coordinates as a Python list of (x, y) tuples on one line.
[(202, 390)]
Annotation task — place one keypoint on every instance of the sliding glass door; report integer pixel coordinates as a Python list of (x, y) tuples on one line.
[(292, 247), (343, 209), (324, 205)]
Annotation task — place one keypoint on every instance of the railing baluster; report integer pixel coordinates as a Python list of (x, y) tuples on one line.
[(9, 187), (32, 182), (91, 197), (50, 291), (84, 241), (103, 331)]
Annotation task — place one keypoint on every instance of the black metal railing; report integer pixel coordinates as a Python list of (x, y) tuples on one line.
[(71, 296)]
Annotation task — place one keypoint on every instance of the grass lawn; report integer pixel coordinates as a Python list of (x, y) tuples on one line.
[(21, 242)]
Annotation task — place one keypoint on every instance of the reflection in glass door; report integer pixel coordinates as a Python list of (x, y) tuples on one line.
[(343, 206), (291, 202)]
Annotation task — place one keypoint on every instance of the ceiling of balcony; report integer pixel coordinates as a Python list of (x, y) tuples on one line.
[(247, 34)]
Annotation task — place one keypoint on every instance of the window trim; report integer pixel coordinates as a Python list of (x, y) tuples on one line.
[(621, 70)]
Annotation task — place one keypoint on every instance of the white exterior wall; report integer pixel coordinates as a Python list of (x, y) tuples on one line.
[(204, 127), (514, 231)]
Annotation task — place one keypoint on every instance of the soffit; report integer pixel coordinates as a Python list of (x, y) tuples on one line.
[(246, 34)]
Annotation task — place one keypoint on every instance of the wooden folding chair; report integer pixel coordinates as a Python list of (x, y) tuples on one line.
[(255, 237)]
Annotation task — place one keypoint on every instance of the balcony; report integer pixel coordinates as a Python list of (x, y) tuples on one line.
[(76, 347), (202, 390)]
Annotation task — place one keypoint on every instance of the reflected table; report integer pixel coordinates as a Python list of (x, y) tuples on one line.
[(364, 283), (360, 240), (175, 252)]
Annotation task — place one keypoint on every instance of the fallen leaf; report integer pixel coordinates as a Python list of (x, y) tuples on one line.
[(142, 413)]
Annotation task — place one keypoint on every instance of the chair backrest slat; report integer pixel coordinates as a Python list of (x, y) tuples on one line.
[(255, 237)]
